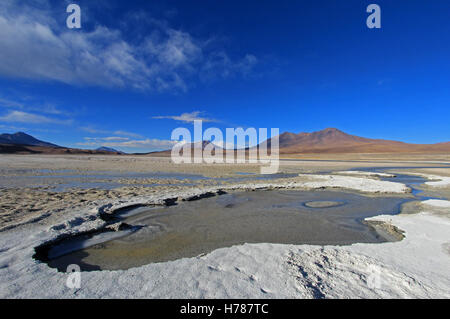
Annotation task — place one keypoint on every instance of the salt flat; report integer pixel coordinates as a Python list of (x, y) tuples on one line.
[(417, 266)]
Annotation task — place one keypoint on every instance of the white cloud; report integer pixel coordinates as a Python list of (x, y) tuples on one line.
[(115, 138), (147, 144), (186, 117), (129, 134), (13, 129), (93, 130), (34, 46), (109, 138), (10, 104), (29, 104), (48, 109), (24, 117)]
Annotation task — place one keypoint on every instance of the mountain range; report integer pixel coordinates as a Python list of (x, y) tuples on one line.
[(21, 138), (22, 143), (330, 140), (108, 149), (334, 141)]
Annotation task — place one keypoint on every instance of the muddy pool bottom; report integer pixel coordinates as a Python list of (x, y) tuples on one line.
[(193, 228)]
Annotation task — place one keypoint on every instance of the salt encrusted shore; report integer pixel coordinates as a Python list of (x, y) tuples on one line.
[(415, 267), (437, 203), (356, 183), (434, 180), (363, 173)]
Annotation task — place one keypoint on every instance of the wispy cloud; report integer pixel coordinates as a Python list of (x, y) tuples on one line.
[(144, 144), (14, 128), (10, 104), (34, 46), (109, 138), (186, 117), (24, 117), (129, 134), (29, 104), (94, 130)]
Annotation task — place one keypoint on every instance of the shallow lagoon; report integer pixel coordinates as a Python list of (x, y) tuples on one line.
[(193, 228)]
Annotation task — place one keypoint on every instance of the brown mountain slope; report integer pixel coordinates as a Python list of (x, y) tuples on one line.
[(332, 140), (193, 146), (327, 141)]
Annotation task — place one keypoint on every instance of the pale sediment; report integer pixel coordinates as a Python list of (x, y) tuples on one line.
[(437, 203), (355, 183), (386, 230), (364, 173), (323, 204)]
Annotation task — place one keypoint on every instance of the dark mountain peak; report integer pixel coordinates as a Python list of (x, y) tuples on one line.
[(21, 134), (16, 135), (21, 138), (108, 149), (331, 130)]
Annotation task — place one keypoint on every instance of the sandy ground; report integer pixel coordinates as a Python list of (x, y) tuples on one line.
[(145, 164), (432, 171), (33, 213)]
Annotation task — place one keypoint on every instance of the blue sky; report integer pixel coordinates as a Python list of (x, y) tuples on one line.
[(138, 69)]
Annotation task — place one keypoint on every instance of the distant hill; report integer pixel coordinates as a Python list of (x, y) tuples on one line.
[(27, 149), (332, 140), (327, 141), (108, 149), (193, 146), (22, 143), (21, 138)]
